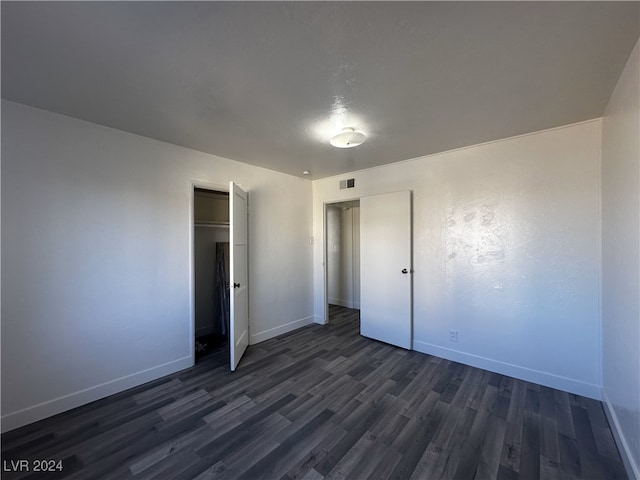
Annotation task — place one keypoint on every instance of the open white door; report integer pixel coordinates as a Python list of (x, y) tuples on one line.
[(239, 295), (385, 268)]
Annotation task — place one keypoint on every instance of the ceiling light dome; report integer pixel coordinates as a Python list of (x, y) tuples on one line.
[(348, 138)]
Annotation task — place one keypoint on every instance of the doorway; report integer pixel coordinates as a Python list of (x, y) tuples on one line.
[(211, 275), (342, 240), (368, 265)]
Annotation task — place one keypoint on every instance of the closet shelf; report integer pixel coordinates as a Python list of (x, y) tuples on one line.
[(212, 224)]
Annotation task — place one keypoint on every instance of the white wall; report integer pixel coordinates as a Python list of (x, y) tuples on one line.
[(506, 251), (334, 254), (621, 261), (96, 270)]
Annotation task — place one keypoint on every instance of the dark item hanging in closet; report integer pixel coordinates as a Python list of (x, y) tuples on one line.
[(222, 288)]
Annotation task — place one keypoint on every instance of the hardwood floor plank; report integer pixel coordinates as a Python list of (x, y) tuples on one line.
[(532, 402), (569, 456), (423, 433), (550, 447), (547, 402), (292, 450), (500, 407), (345, 466), (401, 439), (550, 469), (605, 443), (476, 397), (392, 429), (563, 414), (454, 449), (232, 409), (168, 467), (471, 382), (489, 460), (313, 475), (368, 463), (385, 465), (470, 451), (306, 466), (505, 473), (434, 460), (219, 446), (356, 425), (261, 444), (177, 407), (530, 455), (320, 403)]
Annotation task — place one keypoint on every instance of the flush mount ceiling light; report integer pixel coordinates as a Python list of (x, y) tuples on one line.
[(348, 138)]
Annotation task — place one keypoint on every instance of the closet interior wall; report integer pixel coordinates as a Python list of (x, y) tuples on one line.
[(343, 254), (211, 227)]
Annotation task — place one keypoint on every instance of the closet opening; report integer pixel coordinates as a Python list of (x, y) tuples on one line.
[(342, 221), (211, 274)]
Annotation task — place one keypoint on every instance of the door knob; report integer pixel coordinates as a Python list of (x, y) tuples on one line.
[(404, 270), (236, 285)]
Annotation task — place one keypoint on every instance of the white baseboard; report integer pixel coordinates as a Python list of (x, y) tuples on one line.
[(319, 320), (340, 302), (49, 408), (344, 303), (335, 301), (280, 329), (630, 465), (523, 373)]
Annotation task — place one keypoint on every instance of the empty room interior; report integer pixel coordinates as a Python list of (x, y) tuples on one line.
[(320, 240)]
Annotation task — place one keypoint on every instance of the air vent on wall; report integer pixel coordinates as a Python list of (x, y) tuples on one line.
[(350, 183)]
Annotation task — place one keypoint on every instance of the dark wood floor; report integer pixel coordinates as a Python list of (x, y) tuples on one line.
[(325, 403)]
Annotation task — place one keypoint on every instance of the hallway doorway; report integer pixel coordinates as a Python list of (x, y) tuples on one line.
[(343, 255)]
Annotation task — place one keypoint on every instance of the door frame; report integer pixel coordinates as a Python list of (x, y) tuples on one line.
[(193, 184), (236, 225), (325, 253)]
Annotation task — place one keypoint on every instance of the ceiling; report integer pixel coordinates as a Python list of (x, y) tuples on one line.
[(267, 83)]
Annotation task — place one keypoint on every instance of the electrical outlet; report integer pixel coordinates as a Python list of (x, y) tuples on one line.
[(453, 335)]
